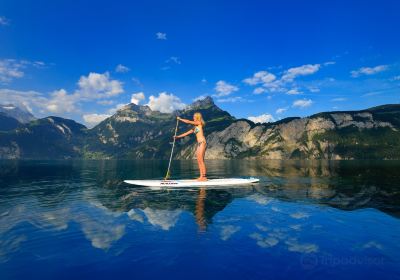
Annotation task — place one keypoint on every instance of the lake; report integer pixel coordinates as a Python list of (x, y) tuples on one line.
[(304, 220)]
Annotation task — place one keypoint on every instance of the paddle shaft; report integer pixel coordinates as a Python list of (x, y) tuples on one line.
[(172, 151)]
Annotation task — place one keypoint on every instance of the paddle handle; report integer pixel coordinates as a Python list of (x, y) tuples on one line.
[(172, 151)]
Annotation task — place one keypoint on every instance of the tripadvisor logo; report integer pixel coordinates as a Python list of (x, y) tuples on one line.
[(310, 261)]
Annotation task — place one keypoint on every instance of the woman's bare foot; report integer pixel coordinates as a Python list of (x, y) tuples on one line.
[(202, 179)]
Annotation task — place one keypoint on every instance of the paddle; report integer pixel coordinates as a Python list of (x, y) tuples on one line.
[(172, 151)]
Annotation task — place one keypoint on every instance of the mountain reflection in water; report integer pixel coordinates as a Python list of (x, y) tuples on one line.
[(307, 213)]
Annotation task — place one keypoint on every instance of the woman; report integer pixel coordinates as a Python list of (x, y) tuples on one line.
[(198, 124)]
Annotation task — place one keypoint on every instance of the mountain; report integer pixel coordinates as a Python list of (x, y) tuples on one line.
[(47, 138), (8, 123), (367, 134), (21, 115), (136, 132)]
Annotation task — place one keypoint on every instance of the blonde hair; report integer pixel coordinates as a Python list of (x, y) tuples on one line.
[(199, 117)]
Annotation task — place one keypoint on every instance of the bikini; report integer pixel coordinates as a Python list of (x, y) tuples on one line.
[(196, 130)]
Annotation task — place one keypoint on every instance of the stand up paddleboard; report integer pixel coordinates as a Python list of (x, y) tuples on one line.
[(193, 183), (168, 183)]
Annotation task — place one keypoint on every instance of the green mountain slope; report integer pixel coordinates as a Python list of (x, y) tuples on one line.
[(138, 132)]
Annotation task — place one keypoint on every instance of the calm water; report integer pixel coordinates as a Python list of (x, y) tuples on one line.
[(305, 220)]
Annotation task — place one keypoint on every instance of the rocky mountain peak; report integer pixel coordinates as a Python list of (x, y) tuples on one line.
[(20, 114), (202, 103)]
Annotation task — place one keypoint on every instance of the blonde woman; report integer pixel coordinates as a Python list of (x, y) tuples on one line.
[(198, 124)]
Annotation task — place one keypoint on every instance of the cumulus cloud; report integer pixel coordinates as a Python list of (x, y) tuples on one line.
[(259, 90), (93, 119), (293, 91), (260, 77), (267, 81), (264, 118), (368, 70), (303, 70), (121, 68), (97, 85), (61, 102), (223, 88), (113, 110), (136, 98), (165, 103), (281, 110), (90, 88), (161, 36), (302, 103)]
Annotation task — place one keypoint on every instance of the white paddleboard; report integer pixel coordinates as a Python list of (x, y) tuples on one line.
[(192, 183)]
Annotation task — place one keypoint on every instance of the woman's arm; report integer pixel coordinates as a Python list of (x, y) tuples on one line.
[(184, 134), (188, 121)]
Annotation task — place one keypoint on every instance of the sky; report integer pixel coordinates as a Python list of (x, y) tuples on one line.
[(262, 60)]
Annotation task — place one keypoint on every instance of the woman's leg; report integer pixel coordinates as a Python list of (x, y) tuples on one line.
[(200, 159)]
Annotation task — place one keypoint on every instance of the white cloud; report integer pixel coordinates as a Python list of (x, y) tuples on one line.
[(264, 118), (93, 119), (94, 86), (161, 36), (223, 88), (137, 82), (314, 89), (136, 98), (165, 103), (121, 68), (10, 69), (368, 70), (62, 102), (173, 59), (230, 99), (105, 102), (260, 77), (269, 82), (396, 78), (201, 97), (116, 108), (294, 91), (281, 110), (97, 85), (339, 99), (302, 103), (24, 99), (303, 70), (4, 21), (329, 63), (259, 90)]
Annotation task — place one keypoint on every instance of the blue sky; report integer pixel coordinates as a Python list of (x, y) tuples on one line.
[(266, 59)]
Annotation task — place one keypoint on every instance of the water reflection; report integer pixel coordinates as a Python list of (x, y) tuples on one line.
[(296, 209)]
